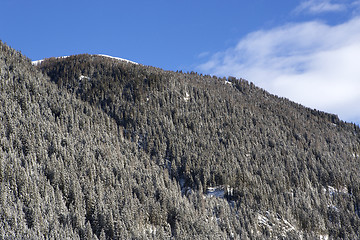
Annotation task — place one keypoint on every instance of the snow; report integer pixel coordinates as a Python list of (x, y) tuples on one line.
[(263, 220), (331, 206), (117, 58), (230, 191), (150, 229), (219, 191), (84, 77), (37, 62), (215, 192), (332, 191), (324, 237), (289, 226), (187, 97), (274, 221)]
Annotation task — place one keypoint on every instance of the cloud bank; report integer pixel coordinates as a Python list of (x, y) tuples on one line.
[(311, 63)]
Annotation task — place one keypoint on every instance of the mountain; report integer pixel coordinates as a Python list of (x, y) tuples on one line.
[(97, 148)]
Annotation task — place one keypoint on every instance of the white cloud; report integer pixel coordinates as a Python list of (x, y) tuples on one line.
[(319, 6), (312, 63), (203, 54), (356, 3)]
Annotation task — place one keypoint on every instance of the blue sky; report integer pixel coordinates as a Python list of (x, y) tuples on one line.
[(305, 50)]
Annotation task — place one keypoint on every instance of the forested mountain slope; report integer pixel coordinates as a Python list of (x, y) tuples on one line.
[(93, 147)]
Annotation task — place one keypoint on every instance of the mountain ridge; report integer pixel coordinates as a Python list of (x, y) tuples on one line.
[(38, 62)]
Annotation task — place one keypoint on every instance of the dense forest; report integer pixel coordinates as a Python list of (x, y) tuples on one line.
[(92, 147)]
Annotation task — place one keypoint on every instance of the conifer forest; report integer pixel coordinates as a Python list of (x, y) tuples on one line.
[(92, 147)]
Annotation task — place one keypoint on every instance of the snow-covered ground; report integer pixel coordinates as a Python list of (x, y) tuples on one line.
[(273, 221), (333, 191), (215, 192), (219, 191)]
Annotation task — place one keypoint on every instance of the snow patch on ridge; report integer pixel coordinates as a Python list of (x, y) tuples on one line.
[(117, 58), (37, 62)]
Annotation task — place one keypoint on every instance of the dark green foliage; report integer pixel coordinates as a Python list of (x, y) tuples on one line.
[(92, 147)]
